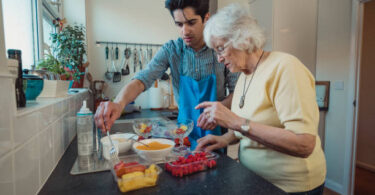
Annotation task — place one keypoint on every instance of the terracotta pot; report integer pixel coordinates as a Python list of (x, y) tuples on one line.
[(79, 83)]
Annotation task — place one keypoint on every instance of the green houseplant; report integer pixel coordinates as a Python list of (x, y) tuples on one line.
[(70, 49), (51, 64)]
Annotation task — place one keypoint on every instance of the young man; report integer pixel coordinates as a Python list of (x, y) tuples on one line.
[(197, 76)]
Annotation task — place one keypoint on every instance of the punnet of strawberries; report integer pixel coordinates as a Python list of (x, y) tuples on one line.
[(195, 162)]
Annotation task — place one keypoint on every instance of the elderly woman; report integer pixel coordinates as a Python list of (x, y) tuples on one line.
[(274, 112)]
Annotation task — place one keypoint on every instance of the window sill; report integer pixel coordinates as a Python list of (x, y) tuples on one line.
[(39, 103)]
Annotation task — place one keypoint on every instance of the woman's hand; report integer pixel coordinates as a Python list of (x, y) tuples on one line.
[(211, 142), (106, 114), (215, 113), (203, 120)]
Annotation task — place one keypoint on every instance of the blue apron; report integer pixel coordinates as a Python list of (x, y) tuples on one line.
[(192, 93)]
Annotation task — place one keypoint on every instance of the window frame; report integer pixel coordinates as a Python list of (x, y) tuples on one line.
[(44, 9)]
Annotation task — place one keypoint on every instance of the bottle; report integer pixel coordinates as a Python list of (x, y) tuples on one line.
[(20, 94), (85, 131)]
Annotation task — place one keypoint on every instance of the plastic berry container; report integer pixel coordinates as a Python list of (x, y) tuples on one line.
[(180, 166), (136, 173)]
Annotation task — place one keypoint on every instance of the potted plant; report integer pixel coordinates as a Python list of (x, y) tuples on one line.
[(52, 65), (70, 49)]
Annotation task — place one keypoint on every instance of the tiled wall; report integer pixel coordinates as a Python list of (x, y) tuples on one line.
[(32, 143)]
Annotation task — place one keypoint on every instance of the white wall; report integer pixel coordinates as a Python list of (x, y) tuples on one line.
[(333, 64), (295, 24), (74, 11), (3, 65), (290, 26), (141, 21)]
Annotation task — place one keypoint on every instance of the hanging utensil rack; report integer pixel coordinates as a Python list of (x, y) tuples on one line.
[(128, 43)]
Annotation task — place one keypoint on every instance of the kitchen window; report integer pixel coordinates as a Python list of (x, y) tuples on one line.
[(19, 29), (27, 27)]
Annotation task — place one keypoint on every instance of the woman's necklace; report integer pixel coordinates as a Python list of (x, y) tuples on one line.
[(242, 100)]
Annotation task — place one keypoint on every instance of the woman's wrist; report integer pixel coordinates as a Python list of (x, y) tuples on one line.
[(242, 125)]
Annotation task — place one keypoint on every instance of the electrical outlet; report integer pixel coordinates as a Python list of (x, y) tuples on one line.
[(338, 85)]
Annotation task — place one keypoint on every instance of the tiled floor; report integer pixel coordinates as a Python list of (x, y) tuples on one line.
[(364, 182)]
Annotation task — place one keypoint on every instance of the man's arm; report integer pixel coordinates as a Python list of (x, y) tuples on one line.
[(129, 93)]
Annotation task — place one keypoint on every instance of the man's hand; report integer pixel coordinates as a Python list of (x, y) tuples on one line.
[(106, 114)]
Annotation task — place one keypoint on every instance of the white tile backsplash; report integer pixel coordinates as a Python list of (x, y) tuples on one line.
[(33, 139), (45, 116), (6, 143), (26, 166), (58, 143), (6, 174), (25, 127), (47, 160)]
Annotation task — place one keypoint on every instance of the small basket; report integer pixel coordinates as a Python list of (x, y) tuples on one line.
[(187, 168)]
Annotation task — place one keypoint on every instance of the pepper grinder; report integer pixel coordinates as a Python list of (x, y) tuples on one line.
[(20, 95)]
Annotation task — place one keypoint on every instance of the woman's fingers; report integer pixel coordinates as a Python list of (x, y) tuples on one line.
[(202, 142), (203, 105), (212, 147)]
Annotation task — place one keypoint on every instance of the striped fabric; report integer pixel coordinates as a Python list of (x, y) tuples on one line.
[(197, 65)]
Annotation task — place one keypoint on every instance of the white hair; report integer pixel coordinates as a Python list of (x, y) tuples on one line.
[(235, 24)]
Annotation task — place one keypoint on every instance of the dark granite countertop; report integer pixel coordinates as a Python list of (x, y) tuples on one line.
[(229, 177)]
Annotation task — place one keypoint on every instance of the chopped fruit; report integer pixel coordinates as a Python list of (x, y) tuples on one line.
[(186, 141), (180, 131), (122, 168), (140, 138), (138, 179), (193, 163), (143, 128)]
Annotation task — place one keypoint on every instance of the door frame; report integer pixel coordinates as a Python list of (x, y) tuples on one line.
[(354, 88)]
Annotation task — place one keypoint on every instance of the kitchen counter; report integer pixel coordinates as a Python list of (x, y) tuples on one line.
[(229, 177)]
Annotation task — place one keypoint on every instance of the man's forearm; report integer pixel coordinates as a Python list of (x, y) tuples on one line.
[(227, 102), (129, 92)]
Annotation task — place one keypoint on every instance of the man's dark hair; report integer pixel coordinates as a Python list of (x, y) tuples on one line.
[(200, 6)]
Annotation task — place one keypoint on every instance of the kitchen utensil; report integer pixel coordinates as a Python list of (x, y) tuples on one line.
[(141, 55), (113, 153), (149, 54), (108, 74), (140, 142), (126, 61), (116, 73), (135, 59)]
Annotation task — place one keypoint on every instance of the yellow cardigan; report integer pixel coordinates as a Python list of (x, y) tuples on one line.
[(282, 94)]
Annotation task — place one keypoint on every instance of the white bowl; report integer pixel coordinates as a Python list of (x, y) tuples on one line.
[(154, 155), (123, 143)]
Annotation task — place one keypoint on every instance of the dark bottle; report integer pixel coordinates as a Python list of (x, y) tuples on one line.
[(20, 95)]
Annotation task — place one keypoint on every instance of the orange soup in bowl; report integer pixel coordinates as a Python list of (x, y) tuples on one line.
[(153, 146)]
